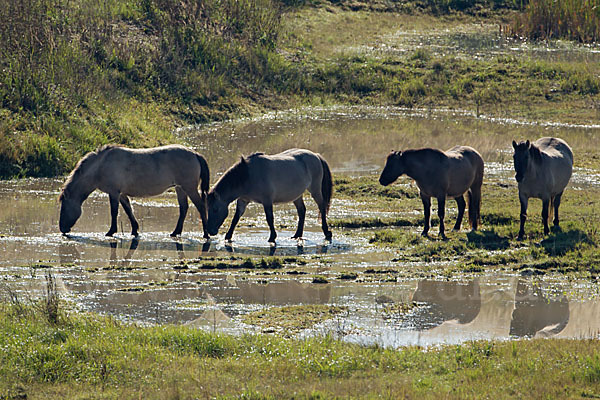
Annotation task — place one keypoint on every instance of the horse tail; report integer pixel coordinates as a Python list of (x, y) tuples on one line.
[(474, 198), (326, 184), (204, 175)]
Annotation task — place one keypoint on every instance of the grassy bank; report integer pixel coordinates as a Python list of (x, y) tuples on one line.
[(76, 76), (84, 355), (572, 249)]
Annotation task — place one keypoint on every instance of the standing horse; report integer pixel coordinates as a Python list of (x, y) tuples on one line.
[(123, 172), (440, 174), (270, 179), (543, 170)]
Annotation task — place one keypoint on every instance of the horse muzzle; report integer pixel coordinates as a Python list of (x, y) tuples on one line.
[(384, 181)]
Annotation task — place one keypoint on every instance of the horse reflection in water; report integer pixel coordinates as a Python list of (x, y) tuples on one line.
[(486, 310)]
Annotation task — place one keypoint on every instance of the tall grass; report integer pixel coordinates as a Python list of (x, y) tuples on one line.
[(68, 65), (569, 19)]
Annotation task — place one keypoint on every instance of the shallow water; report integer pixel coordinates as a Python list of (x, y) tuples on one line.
[(479, 41), (143, 280)]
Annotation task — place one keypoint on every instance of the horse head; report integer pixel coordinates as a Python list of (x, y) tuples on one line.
[(521, 158), (218, 209), (70, 211), (394, 167)]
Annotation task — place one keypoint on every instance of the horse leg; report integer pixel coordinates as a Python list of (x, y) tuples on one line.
[(427, 212), (318, 198), (556, 205), (240, 207), (441, 213), (460, 201), (129, 211), (200, 204), (523, 200), (182, 199), (301, 208), (114, 211), (545, 207), (269, 214)]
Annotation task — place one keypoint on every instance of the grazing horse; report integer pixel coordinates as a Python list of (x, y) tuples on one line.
[(543, 169), (123, 172), (270, 179), (440, 174)]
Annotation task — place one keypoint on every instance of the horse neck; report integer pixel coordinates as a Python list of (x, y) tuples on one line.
[(229, 193), (83, 184), (411, 167)]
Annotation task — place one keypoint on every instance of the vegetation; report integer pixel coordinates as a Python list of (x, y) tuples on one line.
[(77, 75), (88, 356), (573, 248), (572, 19), (292, 319)]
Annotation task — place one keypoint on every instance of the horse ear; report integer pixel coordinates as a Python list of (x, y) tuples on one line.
[(528, 143), (242, 160), (514, 145)]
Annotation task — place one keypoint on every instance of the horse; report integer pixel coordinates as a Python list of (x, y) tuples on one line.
[(271, 179), (122, 172), (440, 174), (543, 169)]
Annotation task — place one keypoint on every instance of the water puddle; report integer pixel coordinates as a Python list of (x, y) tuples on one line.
[(158, 279), (479, 41)]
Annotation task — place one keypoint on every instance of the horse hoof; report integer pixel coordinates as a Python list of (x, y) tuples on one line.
[(109, 234)]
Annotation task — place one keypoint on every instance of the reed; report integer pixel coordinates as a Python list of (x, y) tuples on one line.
[(567, 19)]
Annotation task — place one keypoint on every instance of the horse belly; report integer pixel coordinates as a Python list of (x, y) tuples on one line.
[(146, 186)]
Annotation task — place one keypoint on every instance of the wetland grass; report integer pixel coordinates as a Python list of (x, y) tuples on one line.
[(134, 79), (89, 356), (571, 249)]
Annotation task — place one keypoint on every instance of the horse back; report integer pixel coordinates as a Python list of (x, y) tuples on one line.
[(465, 166), (282, 177), (148, 172), (555, 165)]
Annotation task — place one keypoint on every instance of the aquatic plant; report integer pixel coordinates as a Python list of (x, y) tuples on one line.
[(569, 19)]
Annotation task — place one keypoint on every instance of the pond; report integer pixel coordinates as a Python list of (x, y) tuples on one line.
[(157, 279)]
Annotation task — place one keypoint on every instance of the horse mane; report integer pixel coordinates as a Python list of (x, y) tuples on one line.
[(82, 166), (535, 153), (235, 176), (425, 150)]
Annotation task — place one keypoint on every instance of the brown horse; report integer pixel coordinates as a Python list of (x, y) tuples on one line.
[(543, 169), (440, 174), (123, 172), (270, 179)]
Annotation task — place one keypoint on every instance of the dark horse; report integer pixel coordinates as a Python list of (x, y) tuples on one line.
[(270, 179), (123, 172), (440, 174), (543, 170)]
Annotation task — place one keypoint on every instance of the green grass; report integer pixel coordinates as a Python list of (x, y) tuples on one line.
[(82, 356), (289, 320), (572, 249), (145, 67)]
